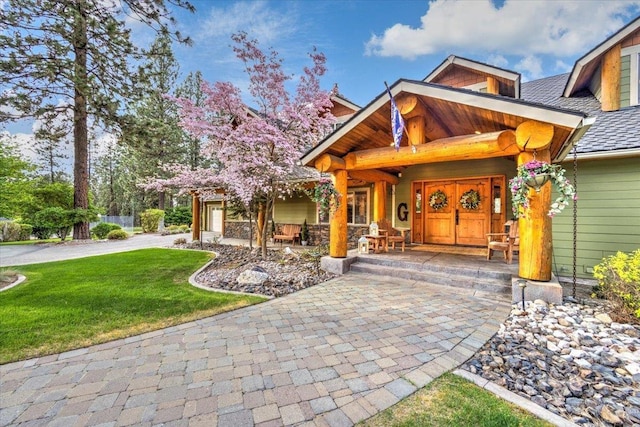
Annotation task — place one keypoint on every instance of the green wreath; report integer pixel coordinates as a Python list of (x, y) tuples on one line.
[(470, 200), (438, 200)]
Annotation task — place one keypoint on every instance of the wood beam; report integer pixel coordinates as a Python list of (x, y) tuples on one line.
[(466, 147), (379, 200), (374, 175), (338, 220), (493, 85), (535, 228), (532, 135), (610, 79), (195, 216), (329, 163)]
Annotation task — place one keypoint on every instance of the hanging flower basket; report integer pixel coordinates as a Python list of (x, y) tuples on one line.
[(470, 200), (533, 175), (325, 196), (438, 200)]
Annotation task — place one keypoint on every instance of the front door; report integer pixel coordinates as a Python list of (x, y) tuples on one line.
[(453, 212)]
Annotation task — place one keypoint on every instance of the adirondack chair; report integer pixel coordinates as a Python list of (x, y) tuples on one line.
[(393, 235), (288, 232), (508, 243)]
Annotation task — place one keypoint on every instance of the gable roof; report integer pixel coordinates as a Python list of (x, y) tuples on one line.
[(475, 66), (452, 111), (613, 133), (586, 66)]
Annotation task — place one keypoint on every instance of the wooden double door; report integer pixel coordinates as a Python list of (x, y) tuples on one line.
[(456, 212)]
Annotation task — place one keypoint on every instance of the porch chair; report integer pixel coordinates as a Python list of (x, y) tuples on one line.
[(393, 235), (505, 242)]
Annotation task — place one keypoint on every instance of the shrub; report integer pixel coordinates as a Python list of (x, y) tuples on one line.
[(619, 281), (25, 231), (178, 215), (54, 220), (150, 220), (101, 230), (117, 235), (9, 231)]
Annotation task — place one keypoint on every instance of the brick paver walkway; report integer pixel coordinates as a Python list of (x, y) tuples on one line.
[(332, 355)]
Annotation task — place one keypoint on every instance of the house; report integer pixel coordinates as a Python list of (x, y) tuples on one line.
[(468, 126)]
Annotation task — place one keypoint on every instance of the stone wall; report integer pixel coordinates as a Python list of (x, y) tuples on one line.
[(317, 233)]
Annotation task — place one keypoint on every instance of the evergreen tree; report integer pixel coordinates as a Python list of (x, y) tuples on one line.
[(154, 135), (73, 55)]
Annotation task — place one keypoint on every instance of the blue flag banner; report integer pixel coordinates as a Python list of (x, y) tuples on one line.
[(397, 123)]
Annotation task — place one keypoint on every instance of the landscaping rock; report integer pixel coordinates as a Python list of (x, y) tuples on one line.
[(569, 359)]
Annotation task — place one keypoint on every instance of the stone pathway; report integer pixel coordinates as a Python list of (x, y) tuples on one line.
[(333, 354)]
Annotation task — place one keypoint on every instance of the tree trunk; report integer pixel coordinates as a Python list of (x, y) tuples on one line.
[(80, 135)]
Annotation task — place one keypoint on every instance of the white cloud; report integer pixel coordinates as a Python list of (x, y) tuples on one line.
[(521, 28), (530, 67), (256, 18), (497, 60)]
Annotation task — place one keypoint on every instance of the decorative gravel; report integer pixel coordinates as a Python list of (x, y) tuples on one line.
[(570, 359), (288, 272)]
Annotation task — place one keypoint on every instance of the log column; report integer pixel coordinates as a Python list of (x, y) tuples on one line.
[(379, 200), (535, 228), (338, 220), (195, 216)]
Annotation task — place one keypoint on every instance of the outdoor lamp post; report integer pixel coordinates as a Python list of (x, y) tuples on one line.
[(523, 284)]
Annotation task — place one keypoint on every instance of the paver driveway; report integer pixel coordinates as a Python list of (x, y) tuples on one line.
[(333, 354)]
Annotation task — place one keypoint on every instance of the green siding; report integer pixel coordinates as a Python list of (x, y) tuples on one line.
[(625, 81), (449, 170), (608, 215), (294, 210)]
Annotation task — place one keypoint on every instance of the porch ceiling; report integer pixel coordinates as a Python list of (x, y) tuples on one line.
[(449, 112)]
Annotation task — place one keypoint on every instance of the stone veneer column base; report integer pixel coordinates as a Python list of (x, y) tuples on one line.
[(550, 292), (337, 265)]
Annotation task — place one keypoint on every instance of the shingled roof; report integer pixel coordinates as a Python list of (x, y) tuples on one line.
[(612, 131)]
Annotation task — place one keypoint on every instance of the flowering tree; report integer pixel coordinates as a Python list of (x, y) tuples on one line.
[(255, 150)]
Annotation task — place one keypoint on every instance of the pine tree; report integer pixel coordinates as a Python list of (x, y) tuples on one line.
[(74, 55)]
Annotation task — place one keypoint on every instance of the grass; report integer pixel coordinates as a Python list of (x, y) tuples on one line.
[(453, 401), (72, 304)]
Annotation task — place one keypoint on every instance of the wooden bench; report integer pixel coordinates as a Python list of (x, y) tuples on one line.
[(288, 232)]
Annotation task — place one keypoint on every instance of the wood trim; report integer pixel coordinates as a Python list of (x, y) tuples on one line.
[(610, 79)]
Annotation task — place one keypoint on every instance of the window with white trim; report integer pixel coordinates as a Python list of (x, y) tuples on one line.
[(630, 79), (357, 207)]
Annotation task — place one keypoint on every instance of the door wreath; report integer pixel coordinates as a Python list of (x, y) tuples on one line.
[(438, 200), (470, 200)]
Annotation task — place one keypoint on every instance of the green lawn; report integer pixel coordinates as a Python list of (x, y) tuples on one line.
[(453, 401), (71, 304)]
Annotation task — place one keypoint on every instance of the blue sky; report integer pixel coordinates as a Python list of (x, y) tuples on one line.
[(368, 42)]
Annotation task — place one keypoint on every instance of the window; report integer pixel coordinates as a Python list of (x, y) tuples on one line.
[(357, 208), (630, 78)]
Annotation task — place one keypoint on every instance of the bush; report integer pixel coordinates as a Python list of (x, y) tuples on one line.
[(118, 235), (178, 215), (150, 220), (54, 220), (9, 231), (619, 281), (101, 230), (25, 231)]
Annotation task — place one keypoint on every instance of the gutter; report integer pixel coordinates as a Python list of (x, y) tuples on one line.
[(575, 137)]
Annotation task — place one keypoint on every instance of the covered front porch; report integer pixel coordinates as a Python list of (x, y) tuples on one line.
[(478, 135)]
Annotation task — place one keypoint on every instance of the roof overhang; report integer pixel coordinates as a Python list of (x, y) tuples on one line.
[(478, 67), (586, 66), (451, 112)]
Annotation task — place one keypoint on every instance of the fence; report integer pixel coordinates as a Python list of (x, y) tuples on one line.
[(126, 222)]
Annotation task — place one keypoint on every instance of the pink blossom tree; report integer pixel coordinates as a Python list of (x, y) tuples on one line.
[(255, 150)]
